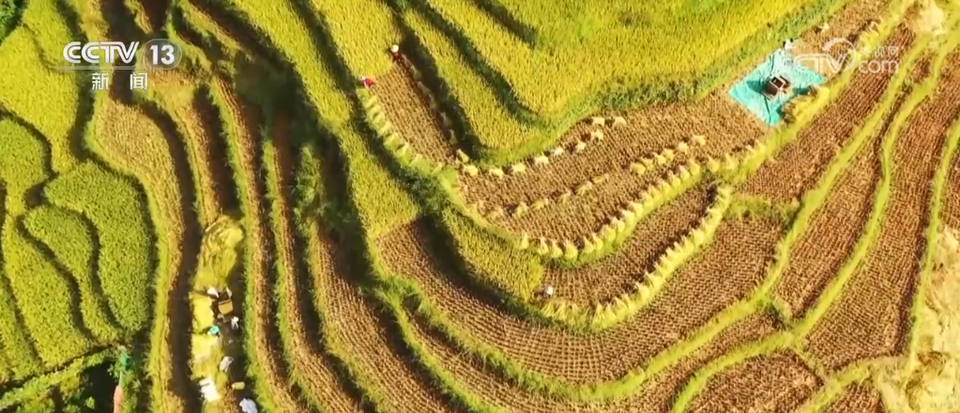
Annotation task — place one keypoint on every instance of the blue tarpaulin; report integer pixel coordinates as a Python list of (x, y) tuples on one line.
[(749, 91)]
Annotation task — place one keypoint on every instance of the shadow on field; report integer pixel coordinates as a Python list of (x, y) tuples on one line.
[(86, 101), (178, 311), (508, 21), (156, 11), (64, 273), (120, 26), (18, 322), (494, 80), (93, 270), (239, 30), (226, 188)]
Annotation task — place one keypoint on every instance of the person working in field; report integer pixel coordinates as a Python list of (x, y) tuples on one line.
[(367, 82), (395, 53), (545, 292)]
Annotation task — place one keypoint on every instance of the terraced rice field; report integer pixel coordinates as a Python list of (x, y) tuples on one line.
[(394, 243)]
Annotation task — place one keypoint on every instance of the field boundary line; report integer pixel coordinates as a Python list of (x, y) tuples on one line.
[(799, 331), (610, 390), (934, 225), (836, 384), (610, 313), (840, 162), (437, 176), (882, 196), (35, 386), (445, 382)]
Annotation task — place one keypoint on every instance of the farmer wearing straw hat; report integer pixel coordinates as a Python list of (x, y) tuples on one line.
[(395, 52)]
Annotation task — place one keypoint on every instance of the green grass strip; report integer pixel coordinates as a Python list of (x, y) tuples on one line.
[(745, 205), (836, 385)]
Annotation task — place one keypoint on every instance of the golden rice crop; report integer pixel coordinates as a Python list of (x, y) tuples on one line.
[(699, 43), (115, 207), (45, 99), (71, 239), (49, 30), (42, 294), (363, 31)]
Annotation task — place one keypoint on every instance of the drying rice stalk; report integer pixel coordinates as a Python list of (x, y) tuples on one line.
[(520, 210), (584, 188), (462, 156), (540, 204)]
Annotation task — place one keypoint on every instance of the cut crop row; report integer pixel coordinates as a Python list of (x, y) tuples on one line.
[(858, 399), (412, 116), (360, 331), (480, 384), (309, 365), (797, 168), (189, 109), (613, 276), (877, 296), (775, 382), (836, 227), (743, 245), (260, 335), (848, 194), (712, 127)]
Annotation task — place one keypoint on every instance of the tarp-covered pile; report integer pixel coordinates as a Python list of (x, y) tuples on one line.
[(749, 91)]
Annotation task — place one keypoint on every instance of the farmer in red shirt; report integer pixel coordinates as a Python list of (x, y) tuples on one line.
[(367, 82)]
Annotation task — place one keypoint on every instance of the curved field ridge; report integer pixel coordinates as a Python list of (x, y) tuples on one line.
[(532, 208)]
